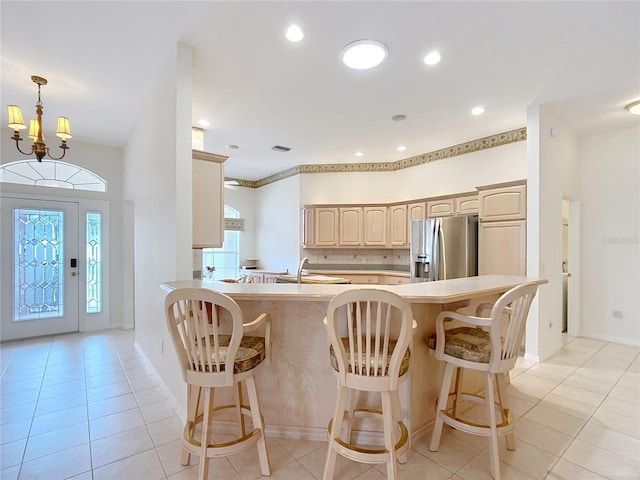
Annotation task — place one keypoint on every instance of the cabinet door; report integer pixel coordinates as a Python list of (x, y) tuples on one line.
[(306, 227), (398, 225), (394, 280), (415, 211), (362, 279), (350, 226), (506, 203), (440, 208), (326, 226), (207, 201), (502, 248), (375, 226), (467, 205)]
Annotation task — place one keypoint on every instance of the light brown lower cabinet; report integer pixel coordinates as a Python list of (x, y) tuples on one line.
[(362, 279), (502, 247)]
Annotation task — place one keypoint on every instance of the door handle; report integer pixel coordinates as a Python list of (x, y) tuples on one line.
[(73, 274)]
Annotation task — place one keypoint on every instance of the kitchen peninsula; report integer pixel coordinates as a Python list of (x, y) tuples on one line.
[(298, 390)]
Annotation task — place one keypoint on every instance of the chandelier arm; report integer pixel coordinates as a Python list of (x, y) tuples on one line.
[(64, 151), (16, 137)]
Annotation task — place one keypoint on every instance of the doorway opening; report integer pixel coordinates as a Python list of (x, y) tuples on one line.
[(570, 267)]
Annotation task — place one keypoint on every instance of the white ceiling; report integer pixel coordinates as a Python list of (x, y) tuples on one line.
[(259, 90)]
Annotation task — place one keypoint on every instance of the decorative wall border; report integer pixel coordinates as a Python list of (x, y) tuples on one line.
[(497, 140)]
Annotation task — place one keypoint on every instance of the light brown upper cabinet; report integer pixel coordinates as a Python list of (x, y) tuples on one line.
[(467, 205), (326, 226), (440, 208), (375, 226), (207, 201), (505, 203), (398, 226), (307, 227), (350, 227), (416, 211)]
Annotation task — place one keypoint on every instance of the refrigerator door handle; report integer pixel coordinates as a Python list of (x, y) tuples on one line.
[(444, 251), (434, 274)]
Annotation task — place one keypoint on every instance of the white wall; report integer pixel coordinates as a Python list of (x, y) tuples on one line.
[(158, 182), (278, 224), (610, 186), (441, 177), (243, 199), (552, 175), (106, 162)]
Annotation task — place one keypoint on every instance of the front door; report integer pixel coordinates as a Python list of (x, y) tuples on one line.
[(39, 267)]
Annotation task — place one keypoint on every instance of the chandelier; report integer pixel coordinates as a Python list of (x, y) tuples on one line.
[(39, 148)]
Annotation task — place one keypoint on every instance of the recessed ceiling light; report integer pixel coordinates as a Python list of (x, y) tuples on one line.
[(477, 111), (402, 148), (203, 122), (399, 118), (634, 108), (231, 146), (363, 54), (280, 148), (294, 33), (359, 154), (432, 58)]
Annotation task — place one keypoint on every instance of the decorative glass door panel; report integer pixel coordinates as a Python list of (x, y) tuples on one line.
[(40, 243)]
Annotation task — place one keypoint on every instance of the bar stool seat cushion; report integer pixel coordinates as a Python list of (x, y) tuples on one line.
[(467, 343), (404, 366), (250, 354)]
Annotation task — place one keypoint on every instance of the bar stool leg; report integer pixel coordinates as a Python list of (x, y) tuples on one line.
[(349, 416), (193, 398), (389, 443), (503, 398), (237, 394), (397, 417), (442, 405), (336, 427), (204, 441), (256, 415), (493, 438)]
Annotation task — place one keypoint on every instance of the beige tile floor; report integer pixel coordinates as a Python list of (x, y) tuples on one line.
[(84, 406)]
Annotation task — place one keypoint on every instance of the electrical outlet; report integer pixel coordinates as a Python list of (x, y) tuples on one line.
[(617, 314)]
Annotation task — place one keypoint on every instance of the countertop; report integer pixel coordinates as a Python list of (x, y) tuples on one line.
[(440, 292)]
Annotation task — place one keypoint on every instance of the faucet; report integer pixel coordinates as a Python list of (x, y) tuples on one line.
[(304, 260)]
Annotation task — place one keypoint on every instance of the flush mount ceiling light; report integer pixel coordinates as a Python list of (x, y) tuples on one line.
[(477, 111), (402, 148), (39, 148), (294, 33), (398, 118), (231, 146), (634, 108), (432, 58), (203, 122), (363, 54), (359, 154)]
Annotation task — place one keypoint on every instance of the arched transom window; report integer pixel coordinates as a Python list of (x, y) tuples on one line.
[(51, 174)]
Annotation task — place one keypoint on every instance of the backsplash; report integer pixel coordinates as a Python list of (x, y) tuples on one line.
[(396, 258)]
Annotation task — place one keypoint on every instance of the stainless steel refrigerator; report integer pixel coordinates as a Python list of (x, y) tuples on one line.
[(444, 248)]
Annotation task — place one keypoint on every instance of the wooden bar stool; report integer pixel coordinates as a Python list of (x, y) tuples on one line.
[(489, 346), (207, 330), (370, 336)]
